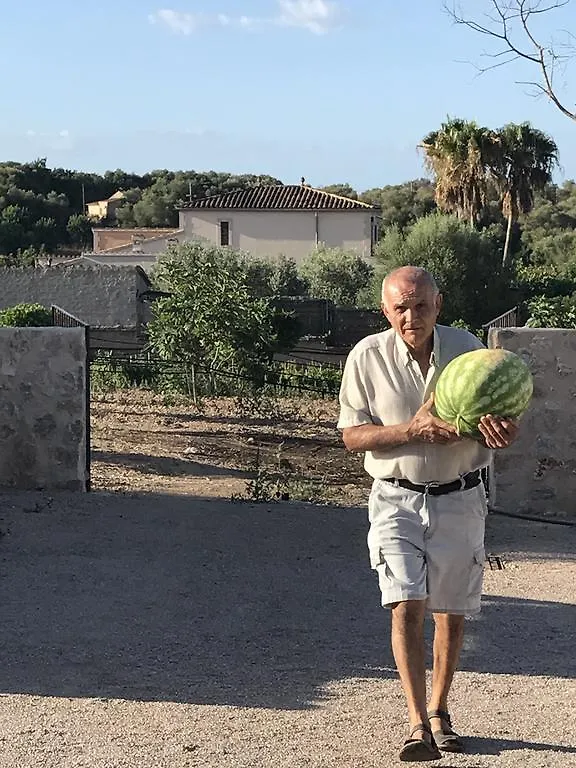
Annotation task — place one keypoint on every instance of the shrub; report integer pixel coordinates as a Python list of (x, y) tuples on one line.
[(26, 315)]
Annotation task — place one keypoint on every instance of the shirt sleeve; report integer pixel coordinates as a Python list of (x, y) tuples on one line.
[(354, 402), (475, 342)]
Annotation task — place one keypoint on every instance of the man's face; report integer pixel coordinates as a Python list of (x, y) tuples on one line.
[(412, 309)]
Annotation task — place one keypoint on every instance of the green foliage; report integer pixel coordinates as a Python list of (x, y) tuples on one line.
[(155, 204), (274, 277), (552, 312), (44, 208), (465, 262), (343, 190), (26, 316), (212, 318), (337, 275), (549, 230), (109, 373), (402, 204), (546, 281), (79, 228)]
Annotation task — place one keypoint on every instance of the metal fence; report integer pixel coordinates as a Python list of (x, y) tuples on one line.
[(63, 319), (278, 377), (508, 319)]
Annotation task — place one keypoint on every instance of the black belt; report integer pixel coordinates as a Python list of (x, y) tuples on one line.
[(471, 480)]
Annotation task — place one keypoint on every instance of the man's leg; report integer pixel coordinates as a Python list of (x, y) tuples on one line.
[(409, 655), (448, 638)]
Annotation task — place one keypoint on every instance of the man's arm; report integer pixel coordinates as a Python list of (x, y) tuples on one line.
[(424, 427)]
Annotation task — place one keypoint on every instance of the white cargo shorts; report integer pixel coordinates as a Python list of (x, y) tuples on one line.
[(426, 547)]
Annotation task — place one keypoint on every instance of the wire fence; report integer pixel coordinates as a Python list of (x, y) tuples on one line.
[(279, 378)]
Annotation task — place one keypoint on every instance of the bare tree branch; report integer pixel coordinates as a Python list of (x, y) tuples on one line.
[(515, 16)]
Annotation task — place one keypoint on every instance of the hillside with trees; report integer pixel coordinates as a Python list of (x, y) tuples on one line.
[(490, 223)]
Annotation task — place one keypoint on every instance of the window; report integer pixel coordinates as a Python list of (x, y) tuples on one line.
[(224, 233)]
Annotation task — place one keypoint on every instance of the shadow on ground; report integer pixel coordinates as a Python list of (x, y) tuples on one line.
[(475, 745), (168, 598), (165, 465)]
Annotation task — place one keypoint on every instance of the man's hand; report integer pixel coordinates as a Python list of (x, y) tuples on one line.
[(498, 432), (427, 428)]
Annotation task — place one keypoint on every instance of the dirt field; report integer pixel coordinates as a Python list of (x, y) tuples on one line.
[(288, 448)]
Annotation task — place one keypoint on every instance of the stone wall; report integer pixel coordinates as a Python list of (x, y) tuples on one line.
[(43, 419), (102, 296), (537, 474)]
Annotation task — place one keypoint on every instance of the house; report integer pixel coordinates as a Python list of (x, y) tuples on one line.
[(266, 221), (139, 246), (105, 209), (274, 220)]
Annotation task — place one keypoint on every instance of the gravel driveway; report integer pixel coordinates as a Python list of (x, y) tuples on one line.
[(162, 630)]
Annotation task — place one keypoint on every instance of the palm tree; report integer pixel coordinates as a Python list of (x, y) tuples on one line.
[(522, 166), (459, 155)]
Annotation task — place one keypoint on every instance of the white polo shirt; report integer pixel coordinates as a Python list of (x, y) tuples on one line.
[(383, 384)]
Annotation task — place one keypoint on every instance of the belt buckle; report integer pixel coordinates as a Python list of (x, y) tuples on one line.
[(432, 484)]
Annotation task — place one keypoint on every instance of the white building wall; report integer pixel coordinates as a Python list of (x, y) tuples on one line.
[(290, 233)]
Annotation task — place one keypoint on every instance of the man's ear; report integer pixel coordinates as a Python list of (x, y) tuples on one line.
[(439, 302), (384, 311)]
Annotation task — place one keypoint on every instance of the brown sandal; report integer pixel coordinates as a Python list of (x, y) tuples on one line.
[(447, 741), (419, 750)]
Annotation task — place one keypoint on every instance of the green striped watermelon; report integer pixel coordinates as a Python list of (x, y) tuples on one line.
[(484, 381)]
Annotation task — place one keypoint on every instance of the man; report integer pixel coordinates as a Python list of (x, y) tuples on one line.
[(427, 506)]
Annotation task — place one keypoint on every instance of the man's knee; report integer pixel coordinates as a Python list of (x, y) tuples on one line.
[(449, 621), (408, 612)]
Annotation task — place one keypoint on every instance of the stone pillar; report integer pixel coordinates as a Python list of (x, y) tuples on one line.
[(43, 418), (537, 475)]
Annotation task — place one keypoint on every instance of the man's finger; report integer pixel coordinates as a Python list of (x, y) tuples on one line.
[(491, 429), (429, 404)]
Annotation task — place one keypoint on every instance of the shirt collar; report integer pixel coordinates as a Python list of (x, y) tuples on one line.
[(406, 355)]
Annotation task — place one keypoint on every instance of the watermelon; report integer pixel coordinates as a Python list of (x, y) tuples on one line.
[(483, 381)]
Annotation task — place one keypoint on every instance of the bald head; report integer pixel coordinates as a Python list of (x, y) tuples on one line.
[(411, 301), (406, 276)]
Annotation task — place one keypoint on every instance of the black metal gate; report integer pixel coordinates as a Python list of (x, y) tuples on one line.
[(63, 319)]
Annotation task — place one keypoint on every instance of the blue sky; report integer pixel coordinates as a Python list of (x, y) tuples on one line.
[(333, 91)]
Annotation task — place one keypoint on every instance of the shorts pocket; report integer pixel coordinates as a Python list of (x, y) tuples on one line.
[(477, 573)]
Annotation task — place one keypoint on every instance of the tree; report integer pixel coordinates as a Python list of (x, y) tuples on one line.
[(79, 228), (511, 28), (557, 312), (13, 228), (335, 274), (343, 190), (402, 204), (522, 165), (458, 155), (549, 230), (274, 277), (211, 318), (465, 262)]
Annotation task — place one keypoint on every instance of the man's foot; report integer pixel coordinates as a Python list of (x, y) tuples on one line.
[(419, 746), (446, 739)]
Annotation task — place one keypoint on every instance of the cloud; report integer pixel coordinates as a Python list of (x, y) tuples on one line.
[(316, 16), (177, 21)]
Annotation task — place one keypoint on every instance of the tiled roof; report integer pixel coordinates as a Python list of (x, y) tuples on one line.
[(276, 197)]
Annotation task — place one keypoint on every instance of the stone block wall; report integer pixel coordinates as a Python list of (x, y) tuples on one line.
[(101, 296), (43, 416), (537, 475)]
